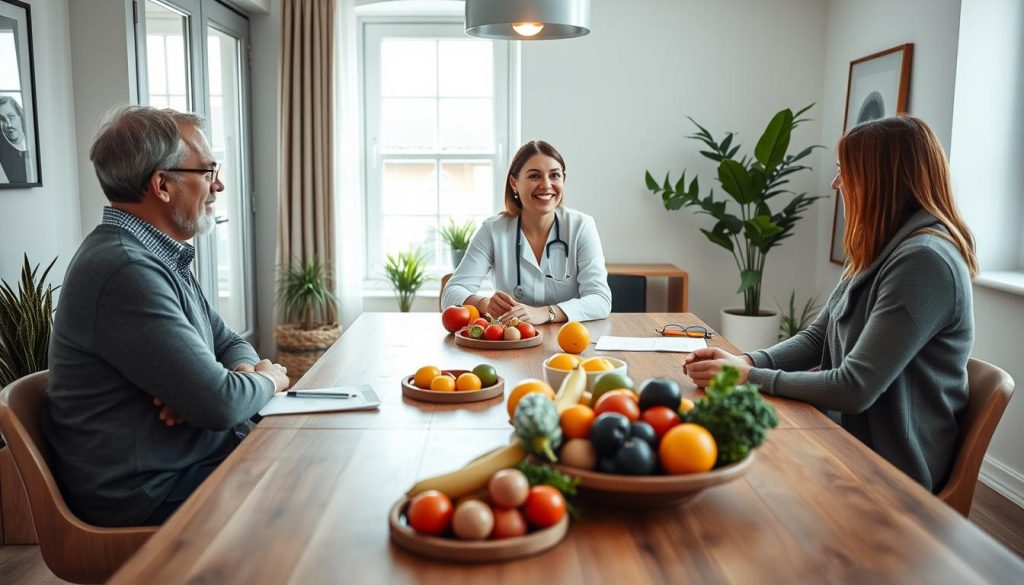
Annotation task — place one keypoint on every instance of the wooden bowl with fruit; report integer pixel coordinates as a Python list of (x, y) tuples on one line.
[(652, 447), (482, 334), (485, 511), (432, 384)]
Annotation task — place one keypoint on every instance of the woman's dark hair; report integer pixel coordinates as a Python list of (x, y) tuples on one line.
[(512, 204)]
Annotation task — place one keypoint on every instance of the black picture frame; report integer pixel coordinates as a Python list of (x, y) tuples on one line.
[(20, 160), (878, 86)]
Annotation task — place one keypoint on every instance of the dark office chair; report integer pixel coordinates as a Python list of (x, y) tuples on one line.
[(629, 293)]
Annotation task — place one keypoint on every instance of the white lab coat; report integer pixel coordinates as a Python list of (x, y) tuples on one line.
[(583, 296)]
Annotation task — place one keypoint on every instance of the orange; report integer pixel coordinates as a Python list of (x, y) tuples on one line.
[(573, 337), (596, 364), (687, 448), (443, 383), (563, 361), (474, 313), (468, 382), (425, 375), (526, 387), (576, 420)]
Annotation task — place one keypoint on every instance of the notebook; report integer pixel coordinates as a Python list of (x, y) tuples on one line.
[(362, 398)]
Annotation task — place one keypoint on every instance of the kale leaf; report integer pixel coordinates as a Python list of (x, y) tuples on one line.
[(736, 415)]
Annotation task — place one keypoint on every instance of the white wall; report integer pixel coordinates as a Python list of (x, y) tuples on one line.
[(615, 104), (44, 222)]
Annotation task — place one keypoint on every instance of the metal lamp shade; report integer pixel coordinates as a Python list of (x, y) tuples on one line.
[(493, 19)]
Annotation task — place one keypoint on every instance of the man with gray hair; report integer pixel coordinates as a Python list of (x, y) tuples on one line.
[(133, 330)]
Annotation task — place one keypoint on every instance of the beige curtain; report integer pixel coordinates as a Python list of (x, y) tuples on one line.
[(306, 225)]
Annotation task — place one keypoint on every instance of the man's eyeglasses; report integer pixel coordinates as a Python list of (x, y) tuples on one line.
[(676, 330), (210, 175)]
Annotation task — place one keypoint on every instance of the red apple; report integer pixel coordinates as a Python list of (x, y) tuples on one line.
[(494, 332), (526, 330), (454, 318)]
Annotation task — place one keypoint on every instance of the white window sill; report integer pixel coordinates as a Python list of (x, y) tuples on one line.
[(1011, 281)]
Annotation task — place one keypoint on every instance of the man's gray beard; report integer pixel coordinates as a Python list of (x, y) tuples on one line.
[(200, 226)]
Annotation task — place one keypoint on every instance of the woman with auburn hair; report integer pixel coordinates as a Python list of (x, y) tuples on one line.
[(546, 259), (893, 340)]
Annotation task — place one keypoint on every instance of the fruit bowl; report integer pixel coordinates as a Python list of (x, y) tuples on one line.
[(554, 376), (410, 389), (481, 343), (452, 549), (652, 491)]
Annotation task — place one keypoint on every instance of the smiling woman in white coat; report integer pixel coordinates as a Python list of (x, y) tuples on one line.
[(545, 259)]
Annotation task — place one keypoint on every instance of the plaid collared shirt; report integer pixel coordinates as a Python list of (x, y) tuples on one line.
[(174, 254)]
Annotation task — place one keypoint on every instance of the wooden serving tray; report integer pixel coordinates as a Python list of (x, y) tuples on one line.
[(471, 551), (415, 392), (652, 491), (464, 341)]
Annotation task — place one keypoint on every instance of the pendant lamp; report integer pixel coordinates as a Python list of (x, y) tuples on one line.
[(527, 20)]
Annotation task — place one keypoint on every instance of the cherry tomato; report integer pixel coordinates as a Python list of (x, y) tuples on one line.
[(508, 523), (545, 506), (481, 322), (494, 332), (661, 418), (619, 403), (430, 513), (526, 330)]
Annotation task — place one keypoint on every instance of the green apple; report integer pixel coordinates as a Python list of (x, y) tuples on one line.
[(610, 381)]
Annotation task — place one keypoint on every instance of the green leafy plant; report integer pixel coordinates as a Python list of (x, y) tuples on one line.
[(407, 273), (751, 183), (26, 319), (542, 474), (458, 236), (792, 322), (736, 415), (304, 293)]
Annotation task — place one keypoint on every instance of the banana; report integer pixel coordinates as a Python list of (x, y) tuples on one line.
[(474, 475), (571, 390)]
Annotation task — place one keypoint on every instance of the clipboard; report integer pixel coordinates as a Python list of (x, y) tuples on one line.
[(363, 398)]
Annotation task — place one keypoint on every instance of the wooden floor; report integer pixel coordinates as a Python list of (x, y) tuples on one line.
[(996, 515)]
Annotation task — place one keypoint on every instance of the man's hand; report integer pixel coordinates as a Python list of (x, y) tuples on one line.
[(526, 314), (703, 364), (276, 372), (498, 304), (167, 414)]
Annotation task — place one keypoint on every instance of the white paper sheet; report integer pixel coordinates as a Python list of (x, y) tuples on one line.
[(673, 344), (365, 399)]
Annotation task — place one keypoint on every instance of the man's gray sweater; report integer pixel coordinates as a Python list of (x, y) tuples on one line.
[(893, 343), (129, 328)]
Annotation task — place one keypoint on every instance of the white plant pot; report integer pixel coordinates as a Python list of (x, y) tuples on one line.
[(750, 333)]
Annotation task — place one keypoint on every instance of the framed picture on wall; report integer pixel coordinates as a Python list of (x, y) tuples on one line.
[(19, 125), (877, 87)]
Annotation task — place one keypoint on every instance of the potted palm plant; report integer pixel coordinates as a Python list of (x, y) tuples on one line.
[(753, 184), (458, 237), (407, 272), (309, 307), (26, 319)]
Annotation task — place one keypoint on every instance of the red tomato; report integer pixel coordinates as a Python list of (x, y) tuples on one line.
[(508, 523), (454, 318), (494, 332), (661, 418), (481, 322), (526, 330), (430, 513), (620, 403), (545, 506)]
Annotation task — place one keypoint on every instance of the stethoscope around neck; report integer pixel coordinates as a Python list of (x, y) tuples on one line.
[(519, 292)]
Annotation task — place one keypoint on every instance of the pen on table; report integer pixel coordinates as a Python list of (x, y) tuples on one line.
[(301, 394)]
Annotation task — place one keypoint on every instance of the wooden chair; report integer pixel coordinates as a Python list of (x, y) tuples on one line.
[(989, 390), (440, 293), (73, 550)]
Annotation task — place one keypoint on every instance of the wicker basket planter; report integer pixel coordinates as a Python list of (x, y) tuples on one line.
[(298, 349)]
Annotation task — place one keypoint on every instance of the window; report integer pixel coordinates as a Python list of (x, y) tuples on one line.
[(436, 135)]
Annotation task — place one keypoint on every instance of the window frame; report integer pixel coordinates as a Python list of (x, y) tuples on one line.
[(372, 29)]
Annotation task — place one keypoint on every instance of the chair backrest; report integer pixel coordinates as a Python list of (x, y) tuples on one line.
[(989, 390), (440, 293), (629, 293), (73, 550)]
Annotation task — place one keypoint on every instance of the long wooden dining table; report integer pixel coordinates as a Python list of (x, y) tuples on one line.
[(305, 498)]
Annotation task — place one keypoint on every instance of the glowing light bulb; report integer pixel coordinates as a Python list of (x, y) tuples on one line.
[(528, 29)]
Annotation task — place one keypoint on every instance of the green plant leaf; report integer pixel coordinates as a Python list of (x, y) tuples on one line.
[(735, 181), (748, 278), (774, 142), (651, 183), (719, 239)]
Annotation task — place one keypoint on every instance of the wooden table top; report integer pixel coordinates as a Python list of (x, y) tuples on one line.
[(305, 498)]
